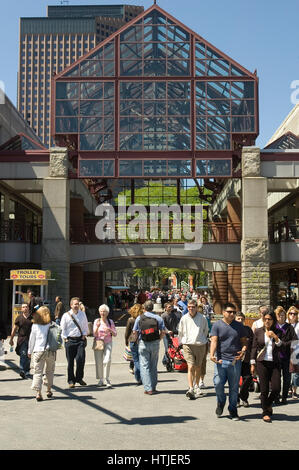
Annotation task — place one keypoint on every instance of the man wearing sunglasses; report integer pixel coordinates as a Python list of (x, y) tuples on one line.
[(228, 347)]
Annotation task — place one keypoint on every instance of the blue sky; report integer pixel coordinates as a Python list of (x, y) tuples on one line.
[(259, 34)]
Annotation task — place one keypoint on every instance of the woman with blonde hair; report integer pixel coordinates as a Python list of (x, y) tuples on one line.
[(37, 349), (134, 312)]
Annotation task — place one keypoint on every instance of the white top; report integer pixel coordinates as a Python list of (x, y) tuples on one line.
[(193, 330), (38, 338), (269, 349), (68, 326), (296, 328)]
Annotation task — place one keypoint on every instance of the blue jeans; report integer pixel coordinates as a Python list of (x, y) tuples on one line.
[(148, 360), (232, 375), (135, 355), (24, 359)]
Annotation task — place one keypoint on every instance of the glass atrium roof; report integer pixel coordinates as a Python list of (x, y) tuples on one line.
[(157, 89)]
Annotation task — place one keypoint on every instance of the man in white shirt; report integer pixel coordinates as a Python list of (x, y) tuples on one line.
[(193, 332), (74, 327), (263, 310)]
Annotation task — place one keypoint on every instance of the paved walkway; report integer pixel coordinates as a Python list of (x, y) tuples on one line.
[(123, 418)]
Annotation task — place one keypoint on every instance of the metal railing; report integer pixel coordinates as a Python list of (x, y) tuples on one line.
[(213, 232), (18, 231)]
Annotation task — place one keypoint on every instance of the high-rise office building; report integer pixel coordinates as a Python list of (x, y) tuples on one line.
[(48, 45)]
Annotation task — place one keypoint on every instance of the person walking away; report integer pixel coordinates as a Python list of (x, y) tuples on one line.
[(149, 328), (228, 347), (292, 315), (74, 327), (103, 331), (245, 369), (59, 309), (130, 341), (171, 319), (193, 333), (264, 359), (42, 357), (22, 326), (286, 333)]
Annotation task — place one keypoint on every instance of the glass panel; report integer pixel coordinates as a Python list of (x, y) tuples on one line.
[(155, 17), (177, 34), (200, 50), (130, 90), (154, 68), (130, 168), (219, 167), (131, 51), (90, 168), (109, 51), (236, 71), (178, 50), (178, 67), (67, 108), (109, 143), (108, 125), (130, 141), (154, 51), (97, 55), (211, 54), (200, 67), (154, 108), (108, 68), (243, 124), (200, 90), (91, 124), (130, 124), (221, 107), (108, 91), (218, 141), (179, 124), (179, 168), (154, 90), (133, 34), (91, 68), (108, 108), (156, 124), (93, 90), (218, 67), (130, 108), (178, 141), (91, 141), (243, 107), (108, 167), (178, 107), (201, 124), (66, 125), (201, 141), (91, 108), (218, 90), (74, 72), (131, 67), (243, 89), (218, 124), (154, 168), (154, 141), (178, 90), (201, 169), (67, 90)]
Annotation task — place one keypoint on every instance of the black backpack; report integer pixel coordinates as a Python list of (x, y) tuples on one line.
[(149, 328)]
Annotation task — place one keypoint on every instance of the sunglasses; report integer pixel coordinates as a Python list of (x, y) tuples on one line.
[(293, 313), (231, 311)]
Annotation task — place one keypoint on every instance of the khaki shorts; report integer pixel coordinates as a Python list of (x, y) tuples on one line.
[(195, 354)]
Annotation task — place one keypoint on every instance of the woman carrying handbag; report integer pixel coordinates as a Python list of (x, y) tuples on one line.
[(103, 331)]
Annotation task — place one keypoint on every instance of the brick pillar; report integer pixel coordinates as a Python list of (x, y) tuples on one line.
[(219, 287), (76, 282), (234, 294)]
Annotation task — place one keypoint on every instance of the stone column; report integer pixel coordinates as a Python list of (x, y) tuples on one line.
[(255, 272), (56, 213)]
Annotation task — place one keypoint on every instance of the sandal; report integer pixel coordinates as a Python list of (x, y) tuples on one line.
[(49, 394), (39, 398), (267, 419)]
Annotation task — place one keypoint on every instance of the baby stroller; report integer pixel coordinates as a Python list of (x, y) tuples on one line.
[(174, 359)]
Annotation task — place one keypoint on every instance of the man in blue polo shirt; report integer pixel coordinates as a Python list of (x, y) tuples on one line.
[(228, 347), (150, 328), (183, 304)]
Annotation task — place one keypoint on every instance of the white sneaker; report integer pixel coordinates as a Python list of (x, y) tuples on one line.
[(190, 394), (108, 383), (197, 392), (201, 384), (100, 383)]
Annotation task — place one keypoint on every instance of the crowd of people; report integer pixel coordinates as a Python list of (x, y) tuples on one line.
[(266, 352)]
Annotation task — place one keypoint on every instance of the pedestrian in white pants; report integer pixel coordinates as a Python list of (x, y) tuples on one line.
[(103, 331)]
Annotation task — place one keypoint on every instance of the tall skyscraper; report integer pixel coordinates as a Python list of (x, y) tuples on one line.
[(48, 45)]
